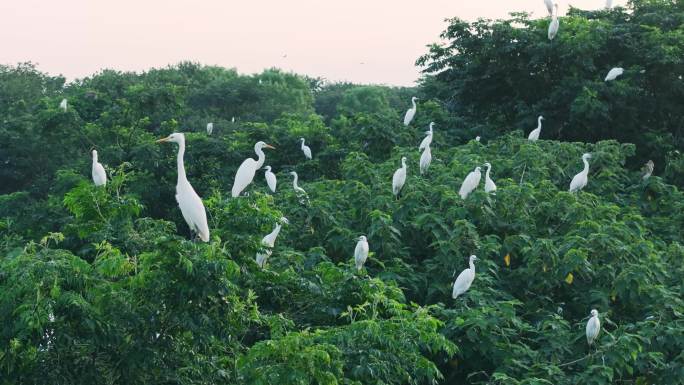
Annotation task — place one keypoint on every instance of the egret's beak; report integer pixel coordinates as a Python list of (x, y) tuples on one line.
[(269, 146), (162, 140)]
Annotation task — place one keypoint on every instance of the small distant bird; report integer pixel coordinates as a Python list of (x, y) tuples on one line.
[(593, 327), (609, 4), (210, 128), (549, 6), (63, 105), (465, 279), (399, 178), (554, 25), (361, 252), (580, 180), (490, 187), (477, 138), (428, 139), (246, 171), (614, 73), (470, 183), (301, 193), (647, 170), (268, 242), (232, 120), (534, 135), (411, 112), (306, 149), (270, 178), (99, 174), (425, 159)]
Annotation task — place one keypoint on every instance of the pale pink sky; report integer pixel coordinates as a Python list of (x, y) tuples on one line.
[(324, 38)]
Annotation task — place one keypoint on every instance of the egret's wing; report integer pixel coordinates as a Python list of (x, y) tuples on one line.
[(244, 176), (99, 175), (271, 181), (398, 180), (193, 211), (463, 282), (424, 143), (576, 182), (409, 116)]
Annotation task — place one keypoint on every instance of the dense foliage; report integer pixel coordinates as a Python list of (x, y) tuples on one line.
[(105, 285)]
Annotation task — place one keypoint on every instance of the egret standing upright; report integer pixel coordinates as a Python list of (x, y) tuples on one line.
[(411, 112), (490, 186), (270, 178), (63, 105), (428, 139), (465, 279), (580, 180), (554, 25), (647, 170), (99, 174), (301, 193), (425, 159), (593, 327), (268, 242), (399, 178), (361, 252), (210, 128), (470, 183), (246, 171), (306, 149), (534, 134)]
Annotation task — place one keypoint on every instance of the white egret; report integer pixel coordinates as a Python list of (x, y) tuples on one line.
[(593, 327), (428, 139), (554, 25), (614, 73), (63, 105), (271, 180), (580, 180), (301, 193), (549, 6), (190, 203), (425, 159), (361, 252), (399, 178), (477, 138), (534, 135), (609, 4), (268, 242), (246, 171), (490, 186), (99, 174), (210, 128), (232, 120), (306, 149), (470, 183), (411, 112), (465, 279), (647, 170)]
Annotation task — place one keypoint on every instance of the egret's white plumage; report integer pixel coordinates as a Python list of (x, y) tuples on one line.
[(246, 171), (210, 128), (580, 180), (425, 159), (99, 174), (190, 203), (490, 186), (534, 134), (477, 138), (614, 73), (554, 25), (470, 183), (549, 6), (411, 112), (306, 149), (268, 242), (399, 177), (647, 170), (361, 252), (301, 193), (428, 139), (271, 180), (609, 4), (593, 327), (465, 279), (63, 105)]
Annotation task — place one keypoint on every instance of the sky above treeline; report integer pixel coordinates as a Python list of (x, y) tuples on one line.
[(363, 41)]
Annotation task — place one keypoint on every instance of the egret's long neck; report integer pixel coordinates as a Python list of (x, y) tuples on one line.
[(539, 123), (294, 181), (302, 144), (262, 157), (403, 164), (413, 102), (181, 165), (276, 231), (472, 265), (487, 173), (94, 158), (586, 166)]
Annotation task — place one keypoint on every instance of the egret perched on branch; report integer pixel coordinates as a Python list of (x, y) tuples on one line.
[(99, 174), (534, 135), (361, 252), (549, 6), (470, 183), (580, 180), (270, 178), (246, 171), (399, 178), (614, 73), (554, 25), (268, 242), (190, 203), (63, 105), (490, 186), (411, 112), (647, 170), (428, 139), (477, 138), (425, 159), (301, 193), (465, 279), (306, 149), (210, 128), (593, 327)]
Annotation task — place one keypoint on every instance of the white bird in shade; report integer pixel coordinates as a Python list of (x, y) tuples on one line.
[(593, 327), (268, 242), (614, 73), (361, 252), (411, 112), (190, 203), (549, 6), (647, 170), (399, 178), (477, 138), (63, 105), (465, 279), (271, 180), (470, 183), (306, 149), (246, 171), (99, 174), (580, 180), (428, 139), (210, 128), (425, 159), (554, 25), (490, 186), (301, 193), (534, 134)]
